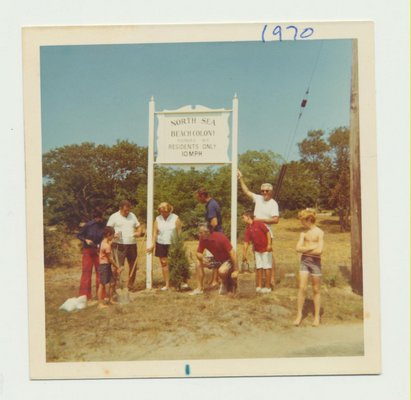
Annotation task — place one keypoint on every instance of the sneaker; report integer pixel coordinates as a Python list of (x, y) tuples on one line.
[(196, 292), (266, 290), (184, 286), (258, 289), (223, 289), (164, 288)]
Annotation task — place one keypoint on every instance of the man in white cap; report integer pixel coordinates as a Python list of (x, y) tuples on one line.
[(265, 209)]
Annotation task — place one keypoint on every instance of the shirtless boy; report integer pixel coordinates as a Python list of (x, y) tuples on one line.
[(310, 245)]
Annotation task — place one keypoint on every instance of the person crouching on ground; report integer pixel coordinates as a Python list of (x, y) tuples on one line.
[(108, 270), (165, 226), (310, 245), (259, 235), (224, 254)]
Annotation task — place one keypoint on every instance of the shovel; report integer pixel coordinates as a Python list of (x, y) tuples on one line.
[(123, 297)]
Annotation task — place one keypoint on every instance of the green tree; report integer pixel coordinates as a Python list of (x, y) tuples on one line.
[(299, 189), (80, 178), (339, 199), (258, 167), (314, 152), (178, 186)]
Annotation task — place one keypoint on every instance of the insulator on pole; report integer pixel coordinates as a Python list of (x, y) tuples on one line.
[(304, 103), (280, 180)]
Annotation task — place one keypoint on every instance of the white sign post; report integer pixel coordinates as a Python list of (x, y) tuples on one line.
[(192, 135)]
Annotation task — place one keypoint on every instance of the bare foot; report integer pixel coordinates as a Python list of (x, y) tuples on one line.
[(113, 302), (214, 285), (316, 322), (101, 305), (298, 320)]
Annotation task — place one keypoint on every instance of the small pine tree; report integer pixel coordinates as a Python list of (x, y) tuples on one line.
[(178, 262)]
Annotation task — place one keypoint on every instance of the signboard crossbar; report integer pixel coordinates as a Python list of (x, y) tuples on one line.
[(215, 111)]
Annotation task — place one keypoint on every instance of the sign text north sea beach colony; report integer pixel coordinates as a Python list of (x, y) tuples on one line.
[(202, 138)]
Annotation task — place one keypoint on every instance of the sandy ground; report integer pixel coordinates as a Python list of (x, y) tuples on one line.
[(174, 325), (336, 340)]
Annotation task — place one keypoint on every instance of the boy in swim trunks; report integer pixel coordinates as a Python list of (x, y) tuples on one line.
[(310, 245), (108, 270)]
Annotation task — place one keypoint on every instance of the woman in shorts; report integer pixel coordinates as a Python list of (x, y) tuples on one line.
[(165, 226)]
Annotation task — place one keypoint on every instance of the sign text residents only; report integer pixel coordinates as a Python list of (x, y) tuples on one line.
[(196, 138)]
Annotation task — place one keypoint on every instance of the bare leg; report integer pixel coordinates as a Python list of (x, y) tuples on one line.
[(100, 296), (302, 290), (273, 270), (200, 276), (223, 273), (214, 278), (267, 278), (259, 277), (112, 291), (165, 270), (316, 283)]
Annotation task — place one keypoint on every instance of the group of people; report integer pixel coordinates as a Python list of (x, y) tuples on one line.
[(107, 248)]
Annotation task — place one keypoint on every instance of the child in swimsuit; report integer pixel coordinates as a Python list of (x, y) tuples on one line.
[(310, 245)]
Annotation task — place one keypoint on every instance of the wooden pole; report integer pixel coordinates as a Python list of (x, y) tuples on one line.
[(355, 187)]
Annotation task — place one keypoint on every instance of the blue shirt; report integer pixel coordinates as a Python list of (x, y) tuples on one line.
[(93, 231), (213, 210)]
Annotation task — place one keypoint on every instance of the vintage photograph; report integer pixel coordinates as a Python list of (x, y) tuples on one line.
[(202, 197)]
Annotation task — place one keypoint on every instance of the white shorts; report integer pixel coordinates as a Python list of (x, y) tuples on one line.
[(263, 260)]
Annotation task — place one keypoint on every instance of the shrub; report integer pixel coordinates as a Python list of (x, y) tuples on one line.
[(56, 247), (178, 262), (286, 214)]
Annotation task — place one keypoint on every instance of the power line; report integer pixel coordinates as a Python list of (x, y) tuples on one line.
[(303, 104), (292, 139)]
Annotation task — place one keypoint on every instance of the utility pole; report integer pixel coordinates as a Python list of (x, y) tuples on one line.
[(355, 187)]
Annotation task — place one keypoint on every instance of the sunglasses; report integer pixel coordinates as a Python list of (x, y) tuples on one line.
[(265, 191)]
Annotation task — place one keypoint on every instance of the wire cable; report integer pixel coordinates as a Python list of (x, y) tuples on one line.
[(303, 104)]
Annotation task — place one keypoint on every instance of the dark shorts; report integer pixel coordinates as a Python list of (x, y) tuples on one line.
[(123, 251), (311, 264), (212, 263), (161, 250), (105, 274)]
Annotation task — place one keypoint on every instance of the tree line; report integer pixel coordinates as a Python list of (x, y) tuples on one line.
[(79, 178)]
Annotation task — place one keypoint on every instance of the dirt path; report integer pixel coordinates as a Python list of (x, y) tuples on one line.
[(334, 340), (339, 340)]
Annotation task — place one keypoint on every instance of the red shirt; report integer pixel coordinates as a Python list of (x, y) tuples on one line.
[(218, 245), (256, 233)]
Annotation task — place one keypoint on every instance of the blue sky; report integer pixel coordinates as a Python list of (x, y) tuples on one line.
[(100, 93)]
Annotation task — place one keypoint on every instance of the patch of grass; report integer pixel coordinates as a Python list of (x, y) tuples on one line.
[(155, 319)]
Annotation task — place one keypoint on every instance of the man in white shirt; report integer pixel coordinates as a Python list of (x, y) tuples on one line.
[(265, 209), (127, 229)]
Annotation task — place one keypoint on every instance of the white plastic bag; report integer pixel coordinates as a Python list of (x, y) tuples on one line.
[(74, 303)]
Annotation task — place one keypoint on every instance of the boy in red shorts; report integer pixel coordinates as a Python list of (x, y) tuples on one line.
[(259, 235)]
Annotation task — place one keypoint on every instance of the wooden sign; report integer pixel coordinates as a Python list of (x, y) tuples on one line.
[(193, 136)]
